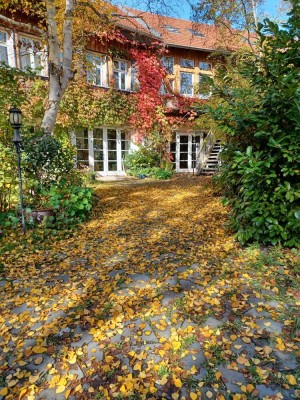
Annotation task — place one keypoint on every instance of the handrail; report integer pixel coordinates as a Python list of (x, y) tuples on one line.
[(204, 151)]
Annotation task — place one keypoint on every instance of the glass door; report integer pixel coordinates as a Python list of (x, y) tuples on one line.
[(185, 151), (112, 150), (98, 149)]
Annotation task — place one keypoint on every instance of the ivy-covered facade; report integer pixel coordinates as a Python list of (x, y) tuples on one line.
[(138, 85)]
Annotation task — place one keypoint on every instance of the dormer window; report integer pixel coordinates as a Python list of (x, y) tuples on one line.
[(194, 32), (171, 29)]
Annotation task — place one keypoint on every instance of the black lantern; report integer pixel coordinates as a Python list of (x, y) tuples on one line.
[(15, 119)]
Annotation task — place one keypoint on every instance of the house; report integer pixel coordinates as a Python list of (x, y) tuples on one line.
[(186, 61)]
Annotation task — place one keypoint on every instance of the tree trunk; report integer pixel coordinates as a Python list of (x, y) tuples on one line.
[(60, 71)]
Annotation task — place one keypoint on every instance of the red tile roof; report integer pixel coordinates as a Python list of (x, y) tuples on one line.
[(185, 34)]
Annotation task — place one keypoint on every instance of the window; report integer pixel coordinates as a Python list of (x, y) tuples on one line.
[(186, 83), (164, 88), (168, 64), (33, 55), (196, 33), (204, 91), (122, 75), (205, 66), (184, 63), (82, 144), (171, 29), (6, 49), (134, 78), (97, 70)]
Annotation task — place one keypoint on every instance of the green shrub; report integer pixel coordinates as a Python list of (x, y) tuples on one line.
[(72, 204), (160, 173), (260, 174), (141, 159), (8, 177)]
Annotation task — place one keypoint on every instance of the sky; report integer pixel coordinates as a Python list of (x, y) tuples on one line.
[(270, 8)]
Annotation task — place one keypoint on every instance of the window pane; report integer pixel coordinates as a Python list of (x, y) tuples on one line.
[(98, 166), (204, 66), (111, 134), (3, 54), (184, 139), (82, 143), (186, 63), (82, 154), (184, 156), (112, 166), (112, 155), (3, 37), (183, 164), (122, 83), (186, 83), (98, 155), (98, 144), (83, 133), (168, 64), (184, 147), (98, 133)]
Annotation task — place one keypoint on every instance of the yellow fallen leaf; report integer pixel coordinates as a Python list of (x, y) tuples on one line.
[(175, 396), (291, 379), (245, 339), (163, 380), (60, 389), (67, 394), (39, 349), (243, 360), (218, 375), (193, 396), (73, 358), (161, 352), (38, 360), (209, 394), (147, 333), (250, 388), (4, 391), (176, 345), (177, 382), (22, 393)]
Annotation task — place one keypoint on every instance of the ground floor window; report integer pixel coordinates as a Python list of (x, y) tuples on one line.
[(102, 149)]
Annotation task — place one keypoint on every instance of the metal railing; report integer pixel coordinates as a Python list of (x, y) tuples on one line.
[(204, 151)]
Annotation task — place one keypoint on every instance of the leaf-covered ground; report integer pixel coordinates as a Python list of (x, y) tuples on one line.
[(150, 299)]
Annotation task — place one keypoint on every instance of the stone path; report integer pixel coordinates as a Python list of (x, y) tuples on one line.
[(116, 313)]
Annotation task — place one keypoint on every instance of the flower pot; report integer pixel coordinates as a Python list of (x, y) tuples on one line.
[(39, 215)]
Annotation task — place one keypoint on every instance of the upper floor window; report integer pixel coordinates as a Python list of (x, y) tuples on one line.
[(186, 83), (184, 63), (122, 75), (6, 49), (205, 66), (168, 64), (97, 70), (33, 55), (134, 78)]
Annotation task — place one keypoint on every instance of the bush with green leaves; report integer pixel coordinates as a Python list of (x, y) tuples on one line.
[(8, 177), (71, 204), (260, 174)]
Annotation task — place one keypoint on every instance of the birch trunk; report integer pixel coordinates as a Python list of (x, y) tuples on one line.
[(60, 71)]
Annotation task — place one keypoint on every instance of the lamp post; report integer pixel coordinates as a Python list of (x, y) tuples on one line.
[(15, 118)]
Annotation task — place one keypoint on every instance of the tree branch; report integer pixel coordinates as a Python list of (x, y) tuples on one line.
[(22, 25)]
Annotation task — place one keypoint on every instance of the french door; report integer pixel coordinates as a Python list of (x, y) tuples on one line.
[(102, 149), (185, 150)]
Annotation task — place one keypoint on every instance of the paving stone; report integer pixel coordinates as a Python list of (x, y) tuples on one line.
[(270, 391), (139, 277), (169, 296), (166, 333), (247, 348), (232, 379), (183, 268), (201, 374), (23, 308), (41, 367), (286, 361), (195, 266), (186, 285), (198, 359), (255, 300), (56, 315), (50, 394), (172, 281), (275, 327), (85, 338), (213, 322), (187, 323), (76, 370), (115, 272), (93, 350), (257, 314)]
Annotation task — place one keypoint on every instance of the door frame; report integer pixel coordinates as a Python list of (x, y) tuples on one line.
[(190, 150)]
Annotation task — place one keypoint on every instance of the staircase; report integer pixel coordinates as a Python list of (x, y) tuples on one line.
[(211, 165)]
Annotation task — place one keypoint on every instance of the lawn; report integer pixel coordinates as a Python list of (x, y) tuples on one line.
[(150, 299)]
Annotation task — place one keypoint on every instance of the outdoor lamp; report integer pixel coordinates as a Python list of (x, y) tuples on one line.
[(15, 119)]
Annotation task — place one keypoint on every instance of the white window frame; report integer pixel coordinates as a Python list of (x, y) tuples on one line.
[(126, 73), (102, 67), (9, 45), (119, 161), (192, 85), (32, 55)]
